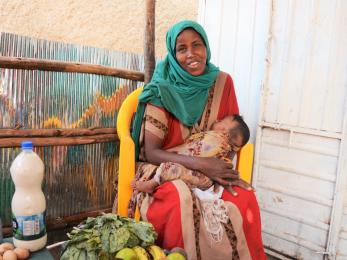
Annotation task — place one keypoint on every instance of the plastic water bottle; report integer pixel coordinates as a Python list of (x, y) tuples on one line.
[(28, 201)]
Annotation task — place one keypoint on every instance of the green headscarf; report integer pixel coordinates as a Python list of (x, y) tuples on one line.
[(173, 88)]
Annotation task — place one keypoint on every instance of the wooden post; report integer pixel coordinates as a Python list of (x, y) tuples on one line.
[(149, 53)]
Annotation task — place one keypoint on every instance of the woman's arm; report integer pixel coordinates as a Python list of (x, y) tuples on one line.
[(213, 168)]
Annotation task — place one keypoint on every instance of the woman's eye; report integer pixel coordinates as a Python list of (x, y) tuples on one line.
[(181, 50), (198, 44)]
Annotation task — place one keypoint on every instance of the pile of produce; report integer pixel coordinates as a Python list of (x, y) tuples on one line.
[(152, 252), (109, 237)]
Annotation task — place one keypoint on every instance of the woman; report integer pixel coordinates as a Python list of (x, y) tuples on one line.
[(186, 95)]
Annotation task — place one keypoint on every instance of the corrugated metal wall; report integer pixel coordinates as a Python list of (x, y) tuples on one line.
[(301, 152), (82, 176)]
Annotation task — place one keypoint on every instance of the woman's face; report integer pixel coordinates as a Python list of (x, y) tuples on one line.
[(191, 52)]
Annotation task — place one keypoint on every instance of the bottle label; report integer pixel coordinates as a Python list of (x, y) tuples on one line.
[(29, 227)]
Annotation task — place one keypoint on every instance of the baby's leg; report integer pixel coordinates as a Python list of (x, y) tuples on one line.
[(174, 171), (169, 171)]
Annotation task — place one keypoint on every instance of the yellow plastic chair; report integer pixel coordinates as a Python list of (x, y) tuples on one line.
[(127, 154)]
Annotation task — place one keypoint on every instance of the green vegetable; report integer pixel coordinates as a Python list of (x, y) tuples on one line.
[(102, 237), (119, 239)]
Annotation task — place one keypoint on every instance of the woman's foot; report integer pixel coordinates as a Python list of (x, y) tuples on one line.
[(144, 186)]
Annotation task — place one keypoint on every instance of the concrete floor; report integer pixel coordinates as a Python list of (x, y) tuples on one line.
[(55, 253)]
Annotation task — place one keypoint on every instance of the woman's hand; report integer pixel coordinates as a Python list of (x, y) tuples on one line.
[(217, 170)]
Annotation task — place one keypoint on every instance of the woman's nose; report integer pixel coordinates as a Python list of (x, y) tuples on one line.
[(190, 53)]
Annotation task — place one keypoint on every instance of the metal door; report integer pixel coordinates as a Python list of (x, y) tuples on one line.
[(300, 170)]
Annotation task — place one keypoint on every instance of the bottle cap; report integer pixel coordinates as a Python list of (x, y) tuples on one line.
[(27, 145)]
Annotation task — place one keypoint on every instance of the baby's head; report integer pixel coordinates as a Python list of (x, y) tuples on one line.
[(236, 127)]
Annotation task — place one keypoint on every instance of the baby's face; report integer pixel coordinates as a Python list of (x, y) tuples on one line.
[(236, 142), (226, 125)]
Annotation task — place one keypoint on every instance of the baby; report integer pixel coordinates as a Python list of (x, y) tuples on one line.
[(223, 141)]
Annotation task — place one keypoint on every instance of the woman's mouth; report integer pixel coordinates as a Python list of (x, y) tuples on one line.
[(194, 64), (196, 67)]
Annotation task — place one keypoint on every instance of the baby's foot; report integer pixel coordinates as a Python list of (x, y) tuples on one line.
[(216, 188), (144, 186)]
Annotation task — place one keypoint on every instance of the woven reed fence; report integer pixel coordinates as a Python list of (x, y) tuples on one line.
[(71, 118)]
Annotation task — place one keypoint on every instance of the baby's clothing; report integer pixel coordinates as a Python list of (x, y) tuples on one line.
[(203, 144)]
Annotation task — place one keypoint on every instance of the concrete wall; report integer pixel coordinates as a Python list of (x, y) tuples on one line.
[(111, 24)]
